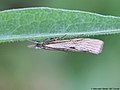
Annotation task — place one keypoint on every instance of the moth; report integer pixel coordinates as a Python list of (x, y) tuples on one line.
[(94, 46)]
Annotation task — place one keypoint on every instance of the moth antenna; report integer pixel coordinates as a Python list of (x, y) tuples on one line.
[(31, 46)]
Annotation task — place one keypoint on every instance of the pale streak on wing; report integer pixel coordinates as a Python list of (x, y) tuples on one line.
[(77, 45)]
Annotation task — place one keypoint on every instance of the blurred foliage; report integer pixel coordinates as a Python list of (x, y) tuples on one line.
[(22, 68)]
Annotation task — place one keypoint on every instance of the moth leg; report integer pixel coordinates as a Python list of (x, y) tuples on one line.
[(60, 38), (63, 37), (46, 41)]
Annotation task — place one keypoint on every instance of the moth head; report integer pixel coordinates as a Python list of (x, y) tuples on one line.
[(37, 45)]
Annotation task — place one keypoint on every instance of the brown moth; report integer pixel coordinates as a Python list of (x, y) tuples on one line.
[(94, 46)]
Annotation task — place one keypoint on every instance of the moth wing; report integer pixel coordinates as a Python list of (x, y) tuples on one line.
[(78, 45), (90, 45)]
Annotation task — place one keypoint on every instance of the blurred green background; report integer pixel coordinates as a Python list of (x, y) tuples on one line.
[(22, 68)]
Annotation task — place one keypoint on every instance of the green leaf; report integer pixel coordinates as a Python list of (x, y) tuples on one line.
[(44, 22)]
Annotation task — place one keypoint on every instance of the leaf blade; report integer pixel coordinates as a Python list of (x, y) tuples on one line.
[(44, 22)]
